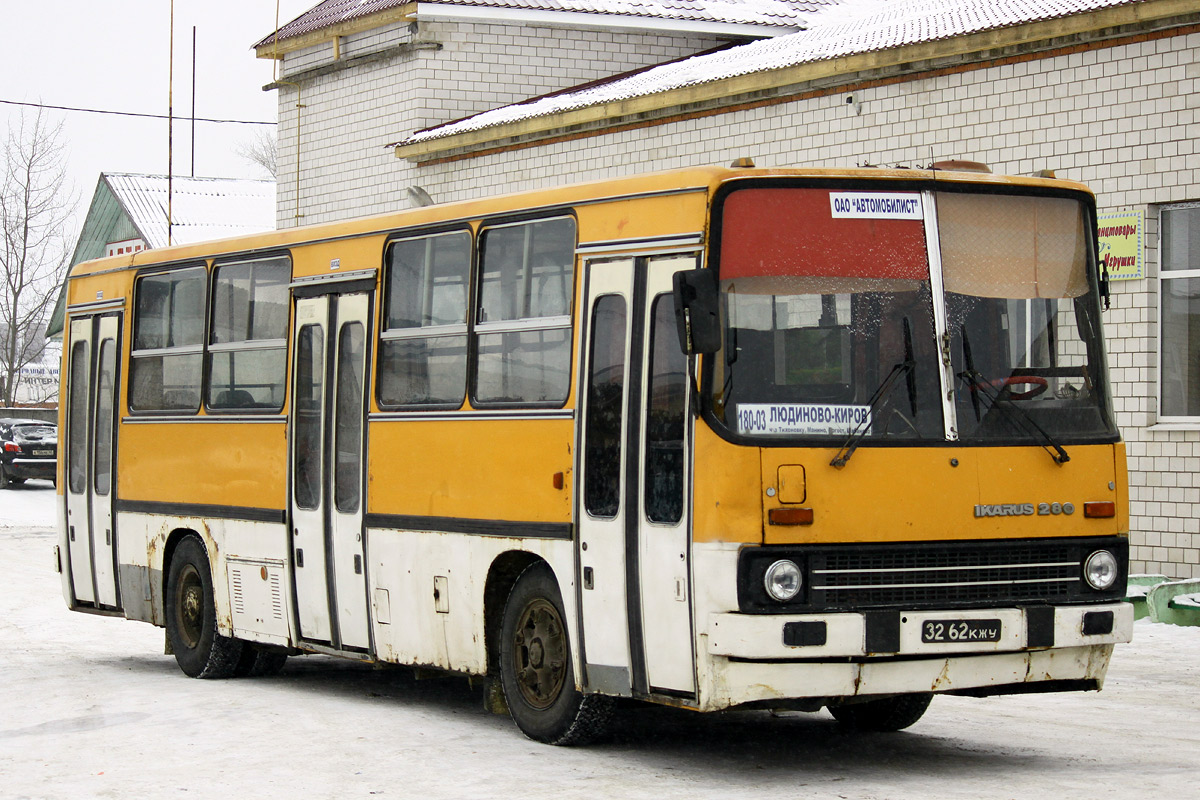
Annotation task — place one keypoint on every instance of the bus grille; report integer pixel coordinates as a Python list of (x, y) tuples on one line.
[(906, 578), (911, 575)]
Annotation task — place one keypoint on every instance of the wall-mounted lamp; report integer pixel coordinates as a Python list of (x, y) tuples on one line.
[(418, 196)]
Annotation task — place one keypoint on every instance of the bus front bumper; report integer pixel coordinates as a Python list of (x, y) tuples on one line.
[(759, 658)]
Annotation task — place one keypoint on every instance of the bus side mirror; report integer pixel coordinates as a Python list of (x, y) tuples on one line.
[(696, 317)]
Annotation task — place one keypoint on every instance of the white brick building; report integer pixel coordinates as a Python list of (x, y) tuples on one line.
[(1106, 92), (354, 77)]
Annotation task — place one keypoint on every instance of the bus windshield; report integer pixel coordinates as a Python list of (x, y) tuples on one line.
[(908, 316)]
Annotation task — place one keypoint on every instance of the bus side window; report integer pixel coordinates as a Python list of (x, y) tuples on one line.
[(423, 357), (523, 323), (168, 342), (247, 357)]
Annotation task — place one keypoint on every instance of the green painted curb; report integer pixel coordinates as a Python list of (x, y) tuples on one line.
[(1137, 587), (1165, 604)]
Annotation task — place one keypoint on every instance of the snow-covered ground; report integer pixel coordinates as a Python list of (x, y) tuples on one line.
[(89, 707)]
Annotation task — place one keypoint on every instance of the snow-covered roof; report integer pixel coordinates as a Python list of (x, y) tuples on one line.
[(201, 208), (784, 13), (851, 27)]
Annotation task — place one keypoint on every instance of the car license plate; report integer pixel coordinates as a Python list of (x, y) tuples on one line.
[(43, 452), (960, 630)]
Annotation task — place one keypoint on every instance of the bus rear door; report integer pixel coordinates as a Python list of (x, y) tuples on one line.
[(93, 358)]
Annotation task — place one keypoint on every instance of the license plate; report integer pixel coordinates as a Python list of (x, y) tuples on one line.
[(43, 452), (960, 630)]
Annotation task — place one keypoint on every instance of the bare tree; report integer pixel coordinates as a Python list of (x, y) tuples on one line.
[(35, 206), (261, 150)]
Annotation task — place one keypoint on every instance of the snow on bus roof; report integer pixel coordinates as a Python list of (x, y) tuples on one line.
[(849, 28)]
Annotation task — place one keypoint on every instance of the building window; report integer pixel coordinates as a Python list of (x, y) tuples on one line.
[(1179, 296), (247, 350), (168, 341), (423, 355), (523, 318)]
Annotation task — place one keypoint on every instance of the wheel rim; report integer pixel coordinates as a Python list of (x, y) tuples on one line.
[(189, 606), (540, 654)]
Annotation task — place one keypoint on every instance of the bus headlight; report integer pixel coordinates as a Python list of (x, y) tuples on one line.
[(1100, 570), (782, 580)]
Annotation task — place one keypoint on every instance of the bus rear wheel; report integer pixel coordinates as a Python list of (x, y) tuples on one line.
[(884, 715), (200, 650), (536, 669)]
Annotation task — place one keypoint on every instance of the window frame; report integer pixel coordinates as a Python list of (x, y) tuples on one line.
[(1164, 275), (593, 487), (244, 345), (387, 334), (561, 322), (1088, 208), (161, 352)]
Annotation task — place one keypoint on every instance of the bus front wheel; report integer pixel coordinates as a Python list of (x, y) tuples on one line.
[(200, 650), (884, 715), (259, 662), (536, 670)]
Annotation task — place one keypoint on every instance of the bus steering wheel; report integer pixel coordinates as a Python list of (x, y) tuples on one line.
[(1038, 383)]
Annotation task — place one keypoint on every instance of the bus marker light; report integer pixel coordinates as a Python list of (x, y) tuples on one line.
[(1100, 508), (790, 516), (557, 480)]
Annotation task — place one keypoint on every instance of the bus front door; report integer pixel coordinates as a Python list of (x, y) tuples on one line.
[(89, 439), (328, 410), (633, 546)]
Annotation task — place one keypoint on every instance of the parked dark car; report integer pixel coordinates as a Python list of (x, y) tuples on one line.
[(28, 449)]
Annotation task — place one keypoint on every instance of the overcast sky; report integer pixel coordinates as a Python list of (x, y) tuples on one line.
[(113, 55)]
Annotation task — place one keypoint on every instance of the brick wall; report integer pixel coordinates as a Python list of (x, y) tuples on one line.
[(349, 115)]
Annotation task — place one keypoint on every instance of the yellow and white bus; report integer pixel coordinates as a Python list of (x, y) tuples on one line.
[(708, 438)]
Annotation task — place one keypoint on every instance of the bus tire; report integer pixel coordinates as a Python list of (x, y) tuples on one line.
[(200, 650), (536, 670), (884, 715), (258, 662)]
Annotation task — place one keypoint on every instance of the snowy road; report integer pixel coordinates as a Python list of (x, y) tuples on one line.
[(90, 708)]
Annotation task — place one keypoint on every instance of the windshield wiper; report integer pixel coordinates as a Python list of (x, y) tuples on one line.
[(1015, 415), (885, 389)]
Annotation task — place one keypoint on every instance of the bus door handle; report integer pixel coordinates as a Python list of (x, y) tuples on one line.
[(299, 557), (588, 581)]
